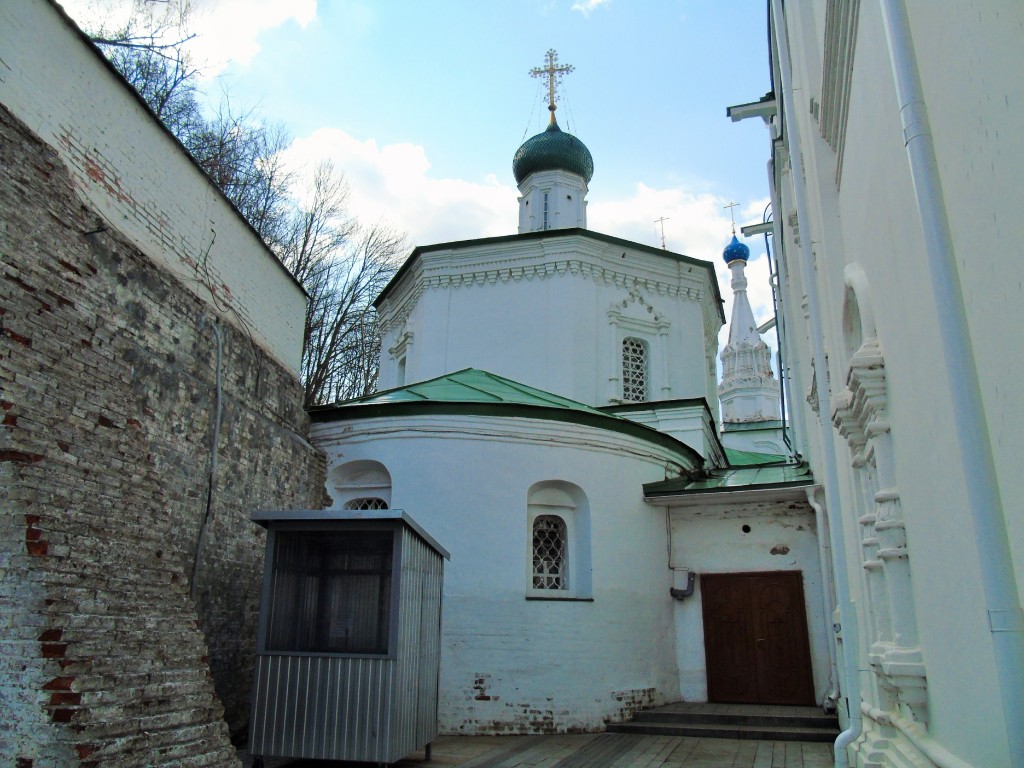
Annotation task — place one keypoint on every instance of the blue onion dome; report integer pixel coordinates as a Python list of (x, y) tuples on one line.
[(553, 150), (735, 250)]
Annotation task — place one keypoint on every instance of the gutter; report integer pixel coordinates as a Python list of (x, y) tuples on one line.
[(847, 614), (991, 541)]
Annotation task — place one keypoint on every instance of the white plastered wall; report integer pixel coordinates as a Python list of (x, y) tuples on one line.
[(782, 536), (975, 105), (552, 314), (565, 199), (129, 170), (512, 665)]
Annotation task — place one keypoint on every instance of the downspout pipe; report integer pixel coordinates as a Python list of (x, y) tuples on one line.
[(797, 430), (827, 590), (847, 615), (773, 281), (215, 442), (999, 585)]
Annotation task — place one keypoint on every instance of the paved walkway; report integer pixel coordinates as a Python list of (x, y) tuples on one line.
[(602, 750)]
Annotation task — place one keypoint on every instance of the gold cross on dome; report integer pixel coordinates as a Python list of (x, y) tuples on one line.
[(553, 73)]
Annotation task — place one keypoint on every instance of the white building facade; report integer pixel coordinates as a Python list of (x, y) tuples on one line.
[(895, 173)]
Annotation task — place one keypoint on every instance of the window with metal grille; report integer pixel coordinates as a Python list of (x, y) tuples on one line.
[(550, 553), (366, 502), (634, 369), (330, 592)]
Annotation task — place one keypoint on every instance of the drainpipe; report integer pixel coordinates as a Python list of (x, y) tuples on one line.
[(827, 588), (1006, 621), (773, 281), (797, 432), (847, 615), (215, 441)]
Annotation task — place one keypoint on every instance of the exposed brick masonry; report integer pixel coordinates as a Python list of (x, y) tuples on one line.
[(106, 416)]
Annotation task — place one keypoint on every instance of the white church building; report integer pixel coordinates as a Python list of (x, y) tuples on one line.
[(548, 411)]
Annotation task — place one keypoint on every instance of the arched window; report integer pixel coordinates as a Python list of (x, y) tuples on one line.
[(550, 550), (366, 502), (360, 482), (558, 542), (634, 370)]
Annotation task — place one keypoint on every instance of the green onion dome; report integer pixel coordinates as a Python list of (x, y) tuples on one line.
[(553, 150)]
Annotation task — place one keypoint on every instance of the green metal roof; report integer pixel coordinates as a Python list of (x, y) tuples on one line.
[(473, 385), (735, 479), (472, 392), (657, 405), (751, 426), (738, 458)]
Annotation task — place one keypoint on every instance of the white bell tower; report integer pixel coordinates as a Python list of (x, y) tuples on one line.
[(749, 391)]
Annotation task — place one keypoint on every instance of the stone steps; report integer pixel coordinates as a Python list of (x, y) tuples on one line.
[(771, 723)]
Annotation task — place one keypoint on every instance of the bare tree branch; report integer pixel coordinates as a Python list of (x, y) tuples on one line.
[(342, 265)]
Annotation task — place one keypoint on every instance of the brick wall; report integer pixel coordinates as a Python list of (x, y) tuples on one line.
[(133, 173), (108, 376)]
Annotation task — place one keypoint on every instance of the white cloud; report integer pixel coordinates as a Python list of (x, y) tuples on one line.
[(229, 30), (393, 183), (586, 6), (694, 222), (225, 30)]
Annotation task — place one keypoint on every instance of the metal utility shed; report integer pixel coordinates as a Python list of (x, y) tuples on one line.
[(348, 651)]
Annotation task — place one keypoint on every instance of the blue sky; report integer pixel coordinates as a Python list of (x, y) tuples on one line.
[(423, 103)]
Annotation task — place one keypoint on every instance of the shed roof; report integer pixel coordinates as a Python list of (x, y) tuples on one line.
[(319, 516), (773, 477), (738, 458)]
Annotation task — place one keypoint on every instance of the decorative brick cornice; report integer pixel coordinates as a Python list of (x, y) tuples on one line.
[(595, 272), (516, 270)]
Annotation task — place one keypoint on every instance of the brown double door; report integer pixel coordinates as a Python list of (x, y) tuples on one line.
[(755, 637)]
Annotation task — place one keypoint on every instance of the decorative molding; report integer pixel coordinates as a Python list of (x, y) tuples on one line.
[(794, 226), (656, 324), (837, 73), (860, 415), (541, 271), (812, 392), (402, 344), (625, 316), (444, 276)]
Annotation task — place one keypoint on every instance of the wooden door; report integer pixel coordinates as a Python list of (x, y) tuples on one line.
[(755, 638)]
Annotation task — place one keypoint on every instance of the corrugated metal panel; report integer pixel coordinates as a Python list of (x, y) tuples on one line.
[(419, 641), (430, 646), (358, 708), (323, 708)]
